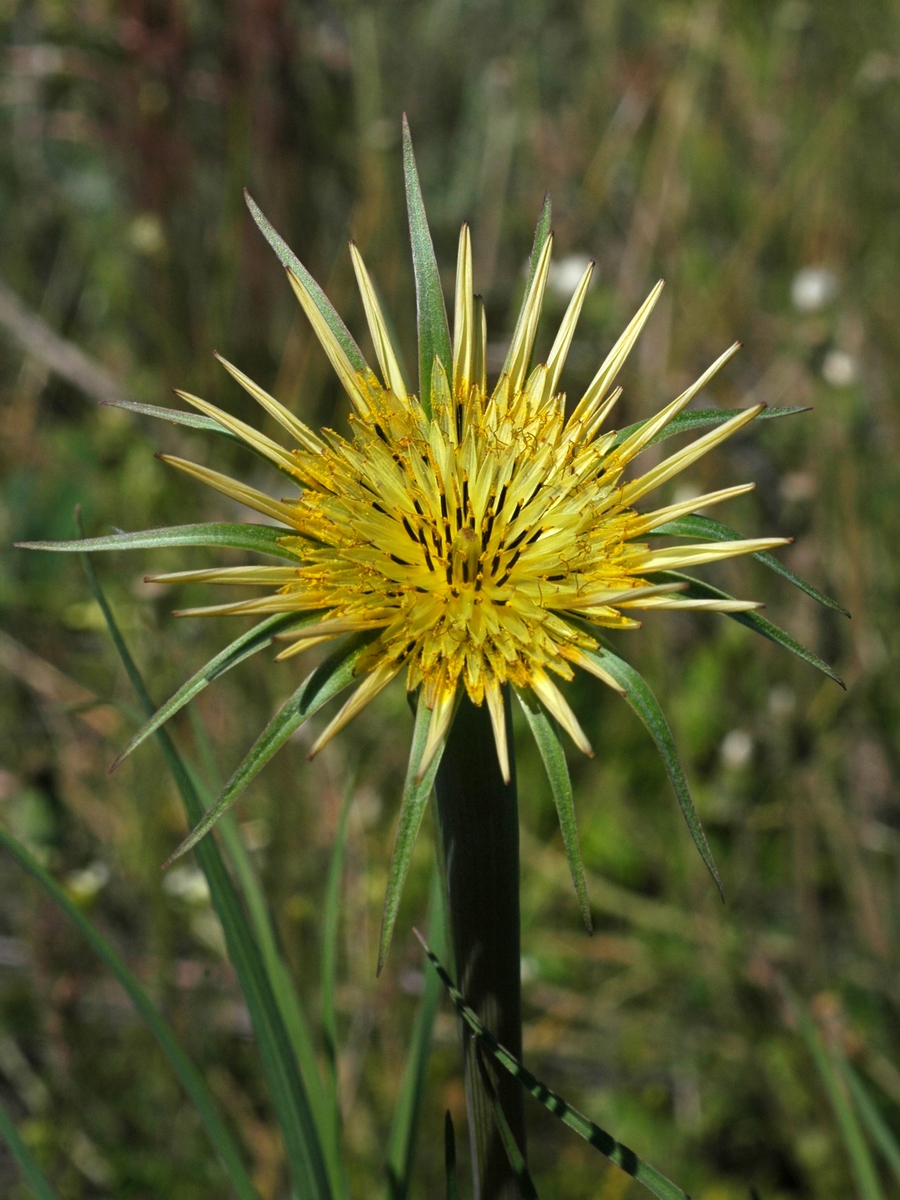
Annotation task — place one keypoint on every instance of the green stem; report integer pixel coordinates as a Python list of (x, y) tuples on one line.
[(480, 835)]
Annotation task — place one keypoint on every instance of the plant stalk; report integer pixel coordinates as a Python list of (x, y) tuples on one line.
[(479, 824)]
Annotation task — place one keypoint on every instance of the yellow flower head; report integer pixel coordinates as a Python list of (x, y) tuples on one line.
[(478, 535)]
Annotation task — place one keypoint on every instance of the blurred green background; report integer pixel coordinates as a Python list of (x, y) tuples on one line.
[(746, 150)]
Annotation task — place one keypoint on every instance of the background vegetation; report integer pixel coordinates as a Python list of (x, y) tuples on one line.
[(747, 151)]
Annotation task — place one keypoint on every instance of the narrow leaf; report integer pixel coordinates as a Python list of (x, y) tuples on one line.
[(412, 809), (243, 647), (291, 262), (871, 1117), (645, 704), (694, 526), (557, 769), (514, 1155), (330, 928), (290, 1098), (329, 678), (407, 1111), (261, 539), (541, 233), (191, 1079), (434, 331), (176, 417), (861, 1163), (450, 1156), (630, 1163), (28, 1164), (700, 418), (699, 590)]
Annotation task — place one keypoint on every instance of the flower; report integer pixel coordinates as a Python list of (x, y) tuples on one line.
[(478, 536)]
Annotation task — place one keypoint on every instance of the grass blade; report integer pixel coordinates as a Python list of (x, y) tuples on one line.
[(329, 678), (405, 1125), (412, 809), (450, 1156), (291, 262), (243, 647), (191, 1079), (434, 331), (289, 1096), (516, 1160), (871, 1117), (261, 539), (330, 926), (701, 418), (28, 1164), (630, 1163), (703, 591), (713, 531), (557, 769), (864, 1173), (645, 704)]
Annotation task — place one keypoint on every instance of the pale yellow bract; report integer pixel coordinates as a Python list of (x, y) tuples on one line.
[(477, 543)]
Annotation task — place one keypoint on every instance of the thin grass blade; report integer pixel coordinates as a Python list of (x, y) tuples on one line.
[(285, 993), (329, 678), (330, 927), (864, 1172), (699, 590), (871, 1117), (191, 1079), (450, 1156), (28, 1164), (261, 539), (630, 1162), (412, 809), (701, 418), (291, 262), (434, 330), (290, 1099), (516, 1159), (714, 531), (647, 707), (405, 1127), (243, 647), (554, 760)]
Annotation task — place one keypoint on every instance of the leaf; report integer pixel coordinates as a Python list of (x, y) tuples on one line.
[(557, 769), (329, 678), (514, 1155), (191, 1079), (434, 331), (290, 1098), (412, 809), (694, 526), (261, 539), (700, 418), (541, 233), (630, 1163), (243, 647), (645, 704), (450, 1156), (176, 417), (861, 1162), (871, 1117), (699, 590), (291, 262), (28, 1164), (407, 1111), (330, 925)]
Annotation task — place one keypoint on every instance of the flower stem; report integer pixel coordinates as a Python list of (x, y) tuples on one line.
[(479, 823)]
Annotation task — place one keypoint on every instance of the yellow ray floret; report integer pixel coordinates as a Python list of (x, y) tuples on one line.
[(478, 546)]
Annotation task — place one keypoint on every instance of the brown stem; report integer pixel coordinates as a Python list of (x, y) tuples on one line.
[(480, 835)]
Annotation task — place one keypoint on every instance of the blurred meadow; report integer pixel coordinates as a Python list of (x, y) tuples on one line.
[(748, 151)]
